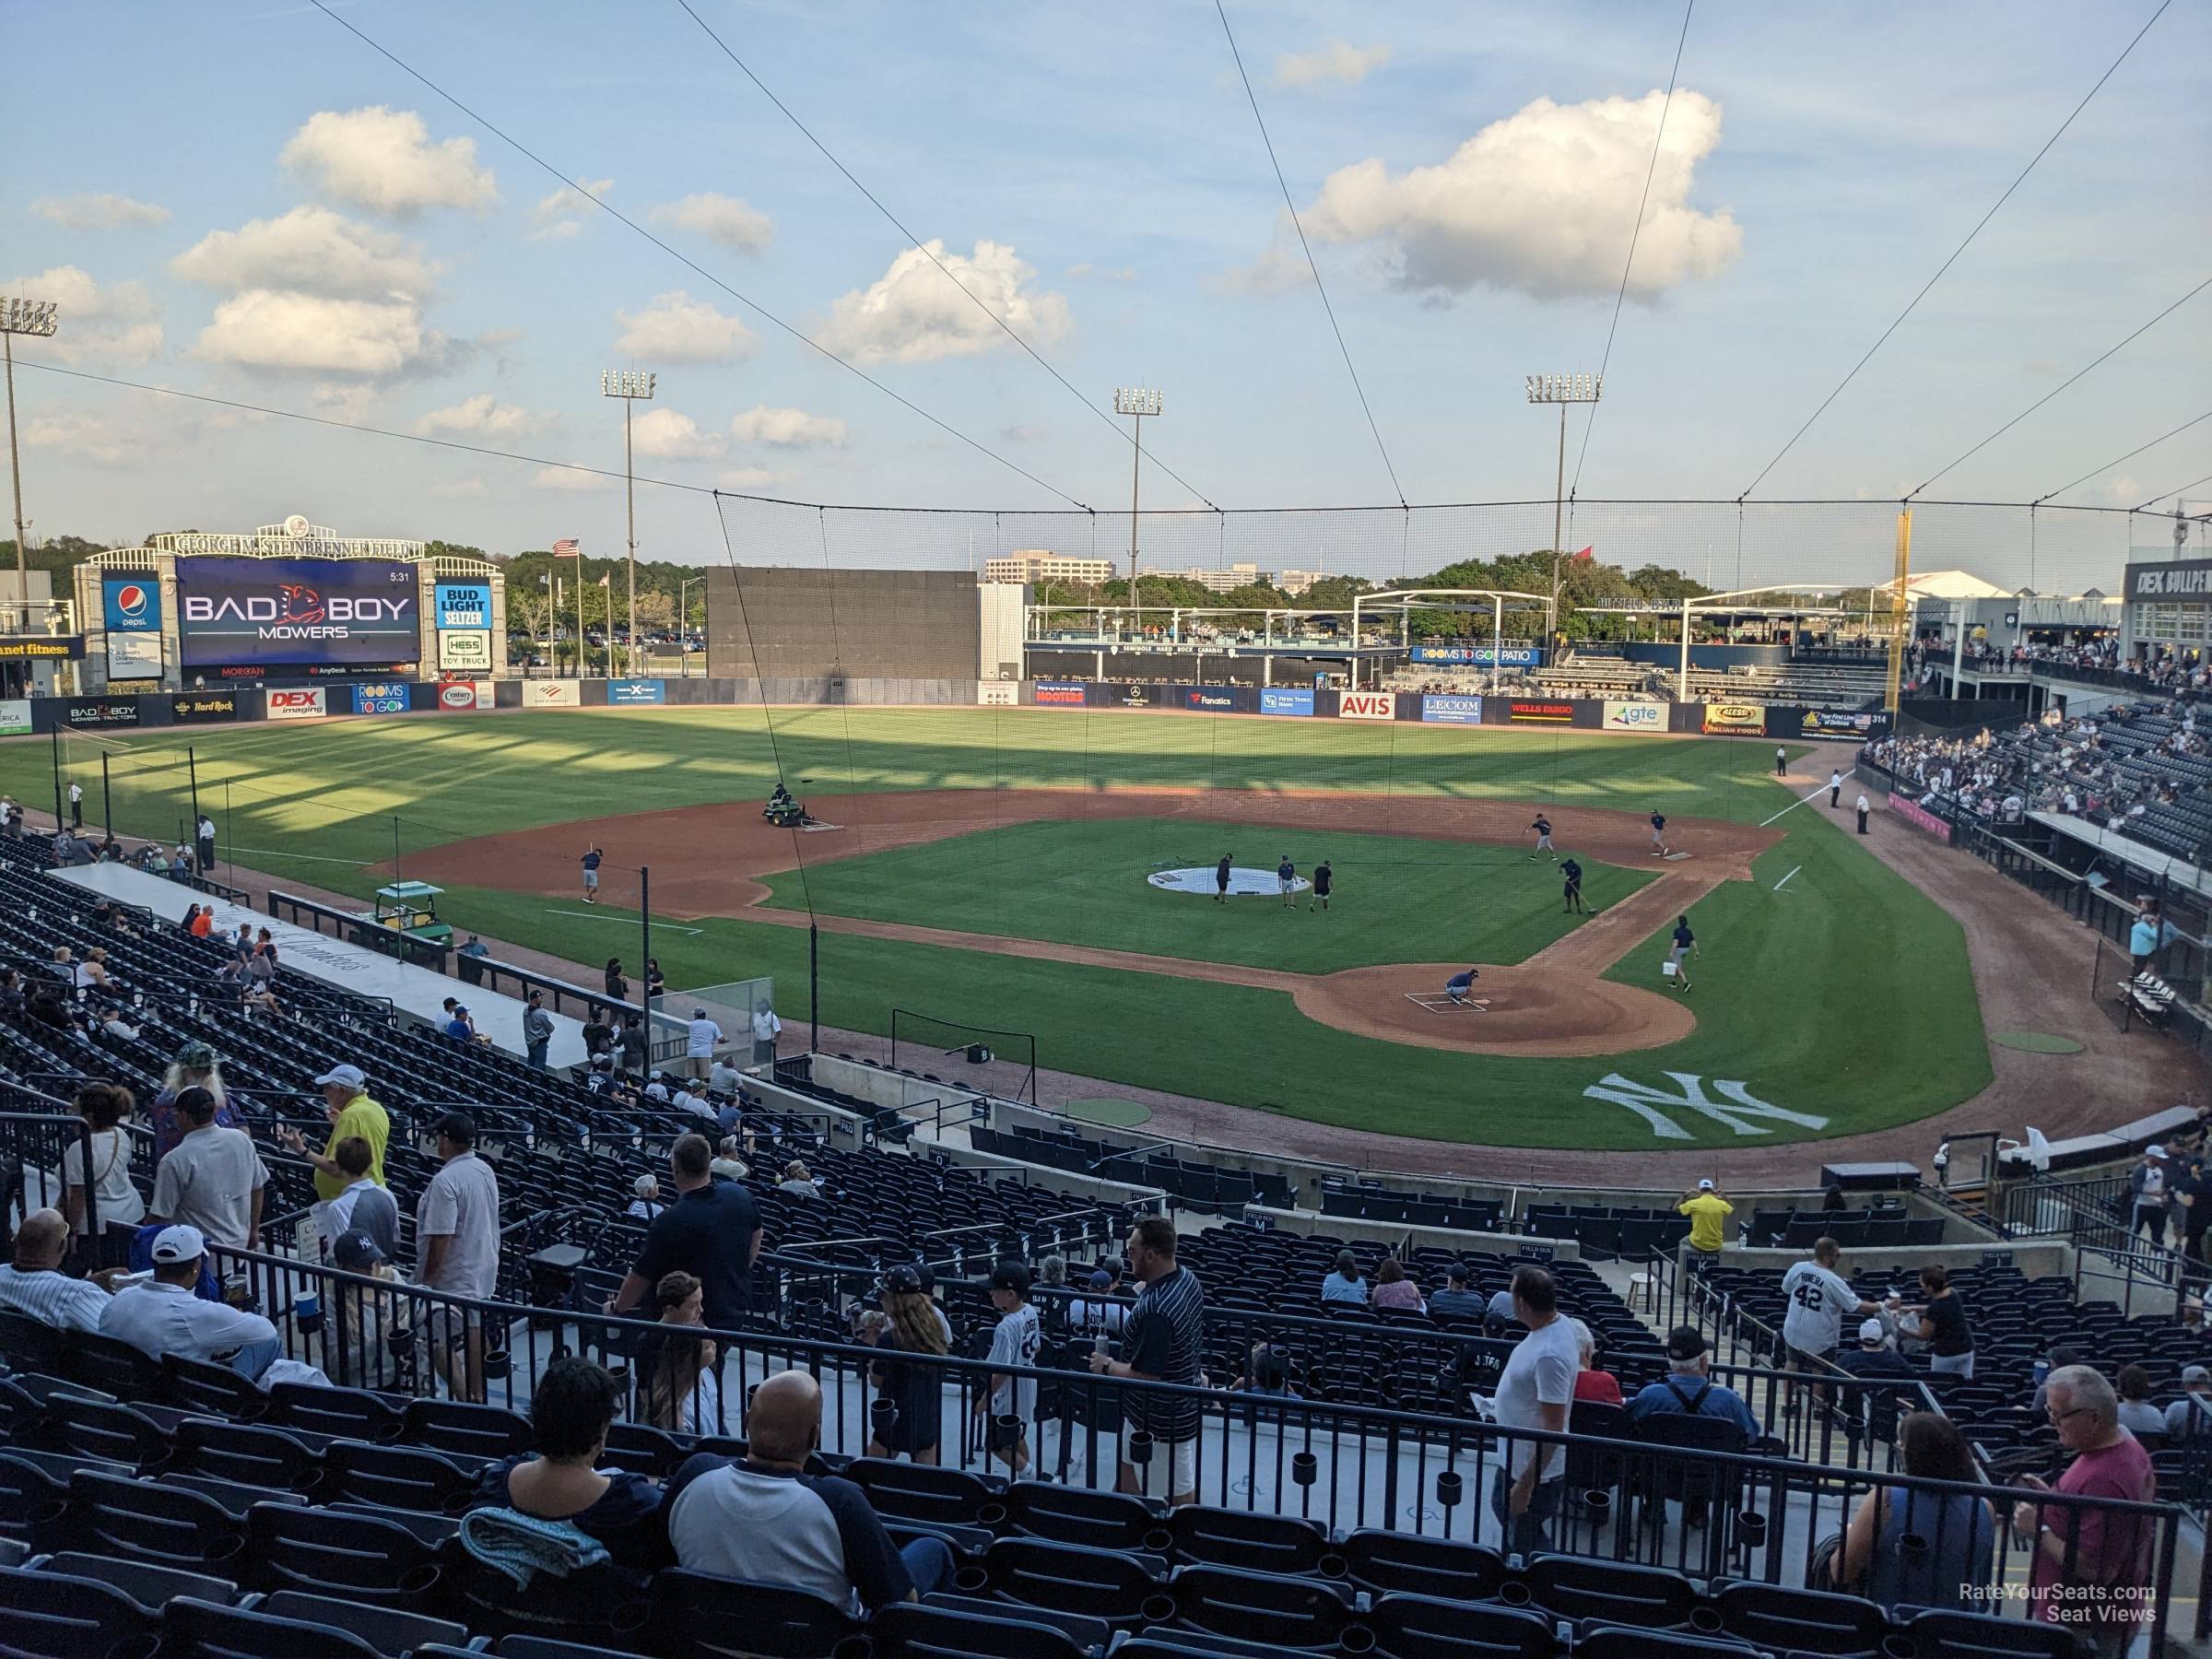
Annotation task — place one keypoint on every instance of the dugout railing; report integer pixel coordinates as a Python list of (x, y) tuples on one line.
[(1342, 1467)]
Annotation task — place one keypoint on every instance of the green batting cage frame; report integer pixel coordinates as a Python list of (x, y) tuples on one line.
[(965, 1056)]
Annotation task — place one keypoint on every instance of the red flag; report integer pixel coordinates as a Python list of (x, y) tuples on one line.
[(1586, 551), (566, 547)]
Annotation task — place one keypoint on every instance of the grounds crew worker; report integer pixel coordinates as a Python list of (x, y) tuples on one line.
[(1860, 809)]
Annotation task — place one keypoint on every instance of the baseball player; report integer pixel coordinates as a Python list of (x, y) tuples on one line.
[(1459, 984), (1572, 872), (1221, 879), (591, 875), (1658, 834), (1286, 877), (1323, 878), (1543, 829), (1681, 950)]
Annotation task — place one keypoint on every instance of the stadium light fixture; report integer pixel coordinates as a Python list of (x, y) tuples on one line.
[(1562, 389), (37, 319), (1135, 402), (632, 386)]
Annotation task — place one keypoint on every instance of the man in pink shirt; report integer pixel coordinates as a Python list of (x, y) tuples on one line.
[(2090, 1564)]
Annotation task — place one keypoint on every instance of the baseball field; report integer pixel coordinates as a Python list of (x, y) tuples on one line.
[(994, 867)]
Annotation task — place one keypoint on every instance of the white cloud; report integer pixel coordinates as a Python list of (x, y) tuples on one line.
[(676, 328), (133, 435), (103, 211), (350, 401), (482, 416), (912, 314), (1338, 61), (788, 428), (1282, 267), (383, 159), (1542, 201), (2123, 490), (562, 215), (1026, 432), (668, 435), (460, 489), (721, 218), (100, 438), (267, 328), (562, 478), (115, 322), (1082, 268), (309, 250), (754, 477)]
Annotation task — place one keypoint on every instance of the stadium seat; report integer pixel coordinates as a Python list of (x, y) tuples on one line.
[(387, 1630), (1072, 1514), (934, 1630), (151, 1586), (106, 1429), (1810, 1621), (925, 1492), (1428, 1626), (115, 1369), (62, 1615), (397, 1477), (142, 1521), (344, 1413), (1608, 1592), (1247, 1539), (210, 1630), (1620, 1641), (1096, 1584), (33, 1498), (27, 1345), (1937, 1634), (456, 1426), (243, 1453), (199, 1385), (1384, 1561), (1262, 1607), (700, 1616), (327, 1552)]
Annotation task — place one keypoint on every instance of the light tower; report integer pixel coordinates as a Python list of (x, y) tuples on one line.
[(1562, 389), (632, 386), (1136, 402)]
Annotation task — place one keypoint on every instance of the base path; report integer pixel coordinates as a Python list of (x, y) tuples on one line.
[(708, 860)]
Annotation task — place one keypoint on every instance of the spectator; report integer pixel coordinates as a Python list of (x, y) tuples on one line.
[(1344, 1283), (202, 924), (647, 1203), (767, 1028), (1267, 1374), (618, 988), (353, 1114), (1099, 1311), (1393, 1290), (1817, 1300), (797, 1183), (914, 1394), (764, 1518), (212, 1182), (1497, 1313), (1456, 1299), (1051, 1272), (34, 1286), (2062, 1355), (360, 1204), (2090, 1565), (2137, 1414), (460, 1028), (1708, 1210), (1910, 1548), (570, 1410), (457, 1249), (656, 984), (1943, 1325), (1008, 1404), (711, 1231), (2146, 1186), (682, 1387), (722, 1078), (1687, 1390), (115, 1200), (113, 1024), (727, 1164), (598, 1036), (631, 1045), (1163, 1342), (469, 960), (1590, 1384), (1874, 1360), (1533, 1391), (374, 1325), (2192, 1413), (165, 1316), (195, 1067), (699, 1038), (94, 969), (537, 1030)]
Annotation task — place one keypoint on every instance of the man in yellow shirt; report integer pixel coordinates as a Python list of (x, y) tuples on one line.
[(351, 1113), (1707, 1212)]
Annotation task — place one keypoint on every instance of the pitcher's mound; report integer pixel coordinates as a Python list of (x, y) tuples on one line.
[(1537, 1012)]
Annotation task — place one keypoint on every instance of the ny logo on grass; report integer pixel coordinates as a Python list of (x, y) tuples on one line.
[(1735, 1108)]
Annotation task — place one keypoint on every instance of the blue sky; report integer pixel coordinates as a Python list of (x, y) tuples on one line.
[(244, 200)]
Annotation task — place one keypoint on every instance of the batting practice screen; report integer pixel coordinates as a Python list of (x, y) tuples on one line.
[(782, 622)]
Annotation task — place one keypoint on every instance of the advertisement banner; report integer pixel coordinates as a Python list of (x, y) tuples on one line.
[(464, 605), (134, 656), (472, 696), (465, 649), (1635, 717), (130, 608), (1540, 713), (1208, 697), (380, 696), (552, 694), (1919, 817), (1299, 701), (41, 648), (1856, 727), (291, 612), (1738, 717), (203, 708), (997, 694), (312, 703), (635, 692), (1367, 705), (100, 712), (1451, 710), (1060, 694), (15, 716), (1476, 656)]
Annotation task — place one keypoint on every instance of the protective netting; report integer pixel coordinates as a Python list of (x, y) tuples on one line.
[(1723, 545)]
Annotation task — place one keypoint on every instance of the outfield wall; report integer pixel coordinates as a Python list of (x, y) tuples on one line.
[(359, 699)]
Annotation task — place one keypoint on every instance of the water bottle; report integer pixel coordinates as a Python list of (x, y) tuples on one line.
[(1099, 1344)]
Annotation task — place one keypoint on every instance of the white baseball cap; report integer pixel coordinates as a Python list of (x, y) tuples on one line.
[(179, 1244), (2154, 1151), (1704, 1186), (350, 1075), (1872, 1330)]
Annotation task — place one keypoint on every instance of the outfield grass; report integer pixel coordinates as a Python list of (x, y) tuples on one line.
[(1398, 899), (1845, 997)]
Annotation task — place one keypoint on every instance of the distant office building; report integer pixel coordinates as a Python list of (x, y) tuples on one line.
[(1223, 581), (1295, 583), (1040, 564)]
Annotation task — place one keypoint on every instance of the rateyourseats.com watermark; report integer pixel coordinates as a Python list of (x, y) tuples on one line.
[(2062, 1604)]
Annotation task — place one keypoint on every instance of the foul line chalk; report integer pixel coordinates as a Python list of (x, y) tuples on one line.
[(626, 921), (1801, 800), (1786, 880)]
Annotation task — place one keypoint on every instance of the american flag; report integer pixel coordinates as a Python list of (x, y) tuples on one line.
[(566, 549)]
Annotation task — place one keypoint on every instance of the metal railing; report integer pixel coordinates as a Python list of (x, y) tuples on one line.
[(356, 929)]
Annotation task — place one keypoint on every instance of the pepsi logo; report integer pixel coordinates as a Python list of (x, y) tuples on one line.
[(130, 601), (458, 696)]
